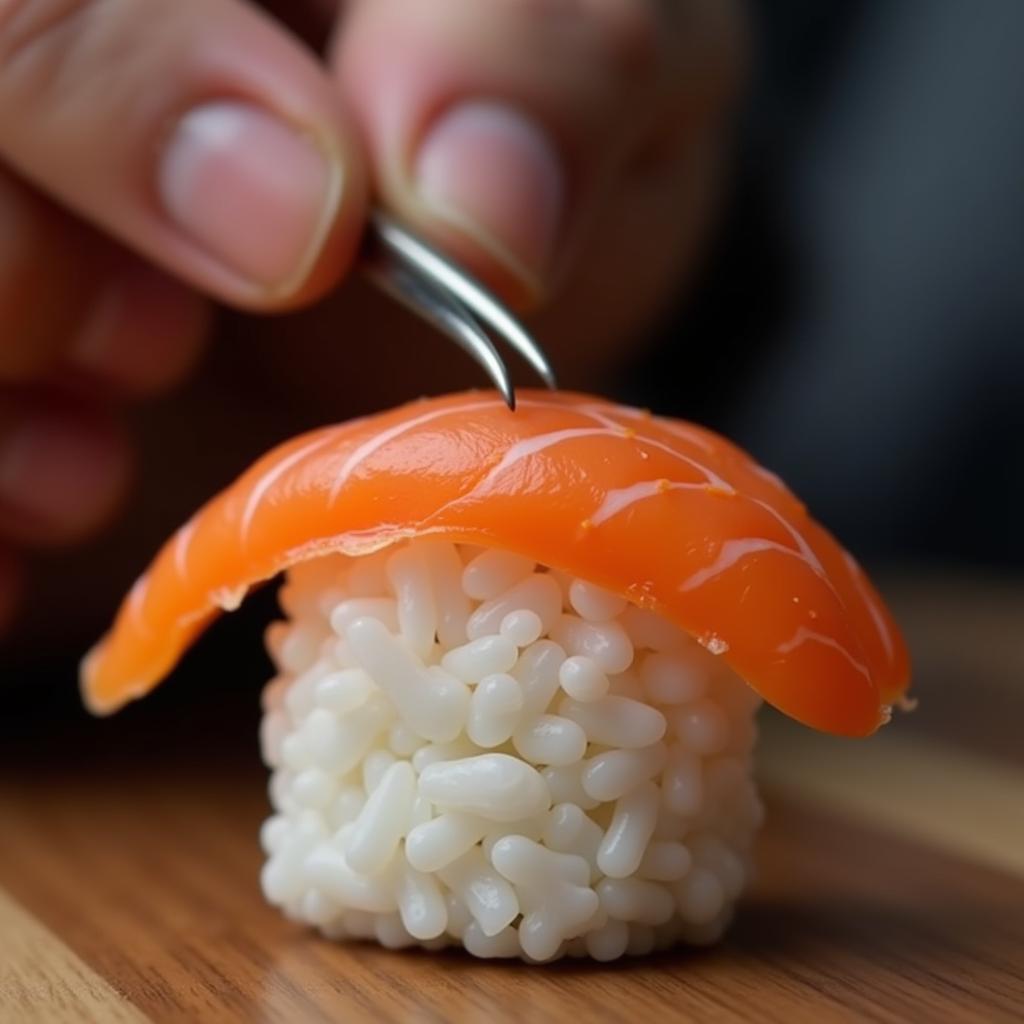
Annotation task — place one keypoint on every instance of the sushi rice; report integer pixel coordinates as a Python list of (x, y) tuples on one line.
[(469, 749)]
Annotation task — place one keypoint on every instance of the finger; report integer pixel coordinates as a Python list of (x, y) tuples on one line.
[(64, 468), (198, 132), (69, 298), (498, 128), (50, 267), (143, 334)]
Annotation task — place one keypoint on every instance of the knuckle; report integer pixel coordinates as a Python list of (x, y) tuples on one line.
[(45, 287), (36, 37), (58, 54)]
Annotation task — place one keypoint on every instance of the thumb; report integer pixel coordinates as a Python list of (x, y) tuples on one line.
[(198, 133)]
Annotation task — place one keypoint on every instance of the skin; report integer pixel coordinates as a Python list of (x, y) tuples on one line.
[(104, 298)]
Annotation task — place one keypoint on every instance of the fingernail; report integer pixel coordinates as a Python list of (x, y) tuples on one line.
[(252, 191), (495, 173), (60, 473)]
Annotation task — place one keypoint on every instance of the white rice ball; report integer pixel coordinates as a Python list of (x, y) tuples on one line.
[(469, 749)]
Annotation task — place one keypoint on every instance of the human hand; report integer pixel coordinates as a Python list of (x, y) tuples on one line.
[(564, 150)]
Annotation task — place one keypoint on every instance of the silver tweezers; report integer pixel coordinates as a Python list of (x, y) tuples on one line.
[(449, 299)]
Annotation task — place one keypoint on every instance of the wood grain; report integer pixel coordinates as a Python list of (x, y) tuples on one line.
[(152, 879), (131, 846), (42, 980), (943, 796)]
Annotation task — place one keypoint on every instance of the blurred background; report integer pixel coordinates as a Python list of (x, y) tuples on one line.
[(855, 319), (860, 326), (856, 322)]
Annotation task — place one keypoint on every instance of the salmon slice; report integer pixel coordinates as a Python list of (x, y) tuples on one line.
[(665, 513)]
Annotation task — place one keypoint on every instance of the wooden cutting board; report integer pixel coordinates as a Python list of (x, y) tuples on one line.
[(891, 882)]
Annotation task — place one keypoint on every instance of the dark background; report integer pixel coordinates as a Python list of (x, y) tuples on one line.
[(858, 325)]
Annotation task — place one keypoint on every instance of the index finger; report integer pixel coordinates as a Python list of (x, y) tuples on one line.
[(198, 133)]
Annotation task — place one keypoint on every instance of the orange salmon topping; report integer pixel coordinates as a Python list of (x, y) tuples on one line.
[(601, 491)]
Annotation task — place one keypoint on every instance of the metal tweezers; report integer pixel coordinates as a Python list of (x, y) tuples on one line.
[(449, 299)]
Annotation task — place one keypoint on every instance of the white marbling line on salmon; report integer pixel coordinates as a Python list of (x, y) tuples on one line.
[(686, 434), (613, 504), (367, 448), (805, 549), (540, 442), (136, 601), (614, 501), (618, 500), (731, 552), (606, 415), (595, 413), (274, 473), (629, 411), (772, 478), (523, 449), (804, 635), (631, 433), (532, 446), (876, 616), (181, 546), (709, 474)]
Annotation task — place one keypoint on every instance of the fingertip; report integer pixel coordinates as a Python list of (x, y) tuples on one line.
[(492, 173), (64, 470), (49, 268), (338, 249), (204, 137), (279, 205), (143, 334), (467, 148)]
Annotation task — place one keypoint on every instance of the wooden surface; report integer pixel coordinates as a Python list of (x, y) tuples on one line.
[(891, 880)]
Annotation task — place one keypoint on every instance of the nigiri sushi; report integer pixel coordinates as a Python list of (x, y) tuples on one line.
[(518, 669)]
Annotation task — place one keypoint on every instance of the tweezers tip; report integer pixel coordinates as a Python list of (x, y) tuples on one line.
[(454, 302)]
